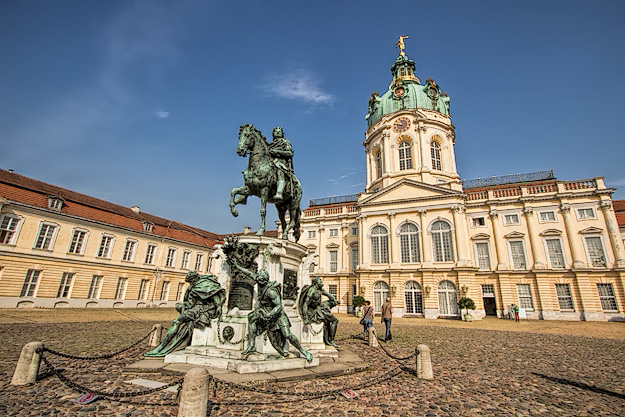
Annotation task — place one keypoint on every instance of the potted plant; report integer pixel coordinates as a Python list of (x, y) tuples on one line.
[(466, 304), (358, 302)]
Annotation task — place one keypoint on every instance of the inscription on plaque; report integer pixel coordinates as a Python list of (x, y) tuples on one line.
[(241, 294), (289, 287)]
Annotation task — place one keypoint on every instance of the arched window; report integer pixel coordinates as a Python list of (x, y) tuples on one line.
[(442, 242), (402, 72), (435, 149), (380, 292), (447, 299), (409, 243), (405, 159), (378, 163), (413, 297), (379, 245)]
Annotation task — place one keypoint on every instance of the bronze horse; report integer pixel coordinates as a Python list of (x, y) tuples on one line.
[(260, 179)]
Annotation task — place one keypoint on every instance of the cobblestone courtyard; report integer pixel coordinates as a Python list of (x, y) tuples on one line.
[(491, 368)]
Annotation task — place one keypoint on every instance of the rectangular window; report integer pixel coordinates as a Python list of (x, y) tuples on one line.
[(311, 268), (55, 203), (525, 296), (106, 244), (585, 213), (517, 251), (333, 259), (95, 287), (334, 290), (354, 258), (120, 290), (30, 283), (46, 235), (8, 229), (143, 289), (65, 285), (488, 290), (595, 251), (483, 256), (312, 234), (171, 257), (565, 301), (186, 255), (150, 254), (554, 251), (354, 290), (479, 222), (606, 295), (130, 250), (511, 219), (547, 216), (198, 261), (334, 232), (77, 244), (354, 231), (165, 291), (180, 292)]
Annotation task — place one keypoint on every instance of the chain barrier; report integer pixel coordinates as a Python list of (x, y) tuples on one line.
[(397, 358), (308, 328), (223, 341), (92, 358), (348, 338), (109, 395)]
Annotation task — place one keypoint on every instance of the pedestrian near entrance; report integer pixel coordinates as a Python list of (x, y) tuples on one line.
[(515, 308), (367, 317), (387, 315)]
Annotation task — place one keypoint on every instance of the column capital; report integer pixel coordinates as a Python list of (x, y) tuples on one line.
[(391, 214), (321, 228), (493, 213), (605, 205), (528, 211), (420, 128), (459, 208), (565, 208), (422, 213)]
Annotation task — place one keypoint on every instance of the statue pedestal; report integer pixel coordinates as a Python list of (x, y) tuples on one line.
[(222, 344)]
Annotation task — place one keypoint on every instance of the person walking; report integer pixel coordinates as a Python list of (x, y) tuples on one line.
[(515, 308), (387, 315), (367, 317)]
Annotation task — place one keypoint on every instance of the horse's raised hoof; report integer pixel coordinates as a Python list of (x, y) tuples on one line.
[(234, 212)]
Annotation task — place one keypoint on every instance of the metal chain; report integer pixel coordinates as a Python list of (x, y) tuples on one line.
[(223, 341), (310, 329), (91, 358), (81, 388), (353, 336), (390, 355)]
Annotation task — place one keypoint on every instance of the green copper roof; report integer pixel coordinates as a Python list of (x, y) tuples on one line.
[(406, 92)]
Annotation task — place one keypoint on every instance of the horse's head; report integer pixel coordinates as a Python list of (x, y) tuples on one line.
[(248, 135)]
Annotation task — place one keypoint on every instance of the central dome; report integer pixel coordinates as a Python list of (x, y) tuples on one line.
[(406, 92)]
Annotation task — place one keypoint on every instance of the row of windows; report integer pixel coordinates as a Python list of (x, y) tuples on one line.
[(565, 299), (543, 217), (405, 157), (448, 305), (32, 280), (9, 227), (333, 232)]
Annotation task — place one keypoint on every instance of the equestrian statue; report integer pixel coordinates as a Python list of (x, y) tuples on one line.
[(269, 176)]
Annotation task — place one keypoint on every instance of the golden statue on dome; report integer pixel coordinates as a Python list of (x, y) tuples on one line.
[(400, 44)]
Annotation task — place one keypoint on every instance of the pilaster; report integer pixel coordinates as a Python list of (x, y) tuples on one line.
[(613, 233), (460, 225), (537, 254), (565, 209), (500, 243), (426, 242), (392, 243)]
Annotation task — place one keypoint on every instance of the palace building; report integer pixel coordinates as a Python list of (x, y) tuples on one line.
[(421, 235), (60, 248)]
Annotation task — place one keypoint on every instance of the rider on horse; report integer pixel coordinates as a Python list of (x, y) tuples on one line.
[(282, 152)]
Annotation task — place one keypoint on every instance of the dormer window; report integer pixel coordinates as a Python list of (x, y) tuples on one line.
[(148, 226), (55, 203)]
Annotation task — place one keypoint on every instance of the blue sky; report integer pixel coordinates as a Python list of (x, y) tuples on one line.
[(140, 102)]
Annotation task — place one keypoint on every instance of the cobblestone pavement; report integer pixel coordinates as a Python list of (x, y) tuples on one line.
[(477, 373)]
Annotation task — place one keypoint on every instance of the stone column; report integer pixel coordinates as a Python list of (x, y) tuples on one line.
[(450, 138), (362, 241), (500, 244), (424, 149), (537, 254), (386, 152), (194, 393), (614, 233), (426, 242), (369, 167), (565, 209), (461, 241), (343, 245), (322, 248), (393, 246)]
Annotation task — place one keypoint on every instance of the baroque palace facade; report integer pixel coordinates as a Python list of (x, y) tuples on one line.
[(60, 248), (424, 237)]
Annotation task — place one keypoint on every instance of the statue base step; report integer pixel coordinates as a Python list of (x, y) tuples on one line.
[(235, 361), (325, 352)]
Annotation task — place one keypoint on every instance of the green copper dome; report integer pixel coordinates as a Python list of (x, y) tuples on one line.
[(406, 92)]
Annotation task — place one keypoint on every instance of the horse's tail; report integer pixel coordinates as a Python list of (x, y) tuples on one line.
[(296, 229)]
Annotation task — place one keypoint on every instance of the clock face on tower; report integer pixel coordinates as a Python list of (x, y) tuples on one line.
[(401, 125)]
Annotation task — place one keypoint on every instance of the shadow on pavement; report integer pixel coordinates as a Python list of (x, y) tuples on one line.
[(580, 385)]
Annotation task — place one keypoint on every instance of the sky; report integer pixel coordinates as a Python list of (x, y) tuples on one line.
[(140, 102)]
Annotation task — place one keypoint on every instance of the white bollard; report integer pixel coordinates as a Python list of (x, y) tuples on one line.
[(155, 337), (194, 394), (373, 338), (424, 362), (28, 365)]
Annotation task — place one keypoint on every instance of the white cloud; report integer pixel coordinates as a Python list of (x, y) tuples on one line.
[(162, 114), (297, 84)]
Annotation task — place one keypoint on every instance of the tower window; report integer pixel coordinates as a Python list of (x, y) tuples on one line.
[(405, 159), (378, 163), (435, 149)]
